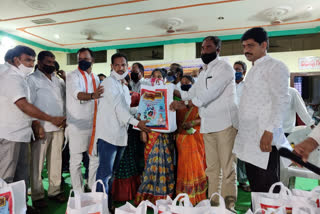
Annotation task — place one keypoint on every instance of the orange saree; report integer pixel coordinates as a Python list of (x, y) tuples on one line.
[(191, 177)]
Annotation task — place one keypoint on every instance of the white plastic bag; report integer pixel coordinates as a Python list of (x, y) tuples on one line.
[(88, 203), (313, 195), (305, 210), (13, 197), (154, 107), (270, 200), (204, 207), (280, 210), (141, 209), (163, 205)]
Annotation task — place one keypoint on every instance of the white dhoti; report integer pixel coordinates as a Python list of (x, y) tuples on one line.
[(78, 143)]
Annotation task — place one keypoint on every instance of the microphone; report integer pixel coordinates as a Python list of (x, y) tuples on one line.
[(286, 153)]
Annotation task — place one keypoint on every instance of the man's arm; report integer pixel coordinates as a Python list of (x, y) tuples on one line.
[(278, 89), (34, 112), (308, 145)]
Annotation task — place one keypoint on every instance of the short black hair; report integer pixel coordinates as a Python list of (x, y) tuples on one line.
[(21, 49), (216, 41), (258, 34), (118, 55), (162, 71), (102, 75), (188, 77), (56, 64), (85, 49), (243, 64), (178, 69), (8, 56), (43, 54), (141, 68)]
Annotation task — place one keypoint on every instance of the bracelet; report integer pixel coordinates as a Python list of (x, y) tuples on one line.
[(193, 123)]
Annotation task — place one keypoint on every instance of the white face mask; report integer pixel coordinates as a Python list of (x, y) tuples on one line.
[(25, 70), (118, 76)]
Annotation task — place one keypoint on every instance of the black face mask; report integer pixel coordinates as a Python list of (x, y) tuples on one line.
[(186, 87), (207, 58), (84, 65), (135, 77), (48, 69)]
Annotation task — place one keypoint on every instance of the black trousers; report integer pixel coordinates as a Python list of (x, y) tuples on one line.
[(260, 179)]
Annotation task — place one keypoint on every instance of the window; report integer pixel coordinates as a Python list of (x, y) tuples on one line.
[(145, 53), (99, 57)]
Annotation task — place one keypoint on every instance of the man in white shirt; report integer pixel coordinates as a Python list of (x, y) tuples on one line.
[(263, 101), (137, 74), (82, 93), (240, 71), (112, 122), (296, 106), (214, 93), (48, 94), (16, 117)]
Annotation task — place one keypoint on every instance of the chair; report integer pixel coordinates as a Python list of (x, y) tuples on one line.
[(288, 174)]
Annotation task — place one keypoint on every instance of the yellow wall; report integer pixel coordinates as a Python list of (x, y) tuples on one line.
[(179, 52)]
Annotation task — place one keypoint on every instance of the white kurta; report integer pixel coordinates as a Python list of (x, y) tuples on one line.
[(263, 101), (79, 113), (113, 114)]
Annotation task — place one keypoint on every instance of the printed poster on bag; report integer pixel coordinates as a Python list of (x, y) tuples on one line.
[(6, 203), (154, 107)]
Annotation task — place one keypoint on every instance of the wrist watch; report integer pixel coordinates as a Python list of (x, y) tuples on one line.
[(186, 102)]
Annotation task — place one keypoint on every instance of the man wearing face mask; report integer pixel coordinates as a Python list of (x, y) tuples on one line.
[(82, 93), (137, 74), (113, 111), (240, 71), (48, 94), (214, 94), (175, 74), (16, 117)]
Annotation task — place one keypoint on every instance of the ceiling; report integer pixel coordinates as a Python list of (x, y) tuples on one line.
[(105, 22)]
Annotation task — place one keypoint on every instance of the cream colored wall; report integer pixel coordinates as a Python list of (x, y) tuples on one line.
[(180, 52)]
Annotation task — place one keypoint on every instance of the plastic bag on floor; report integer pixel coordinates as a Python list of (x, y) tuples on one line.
[(272, 201), (12, 197), (204, 207), (141, 209), (163, 205), (313, 195), (88, 203)]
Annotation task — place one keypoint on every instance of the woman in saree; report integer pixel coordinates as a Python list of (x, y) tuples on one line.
[(158, 175), (191, 177)]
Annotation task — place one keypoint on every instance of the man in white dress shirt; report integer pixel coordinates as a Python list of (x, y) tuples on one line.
[(16, 117), (112, 122), (296, 106), (262, 105), (215, 95), (48, 94), (82, 93)]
